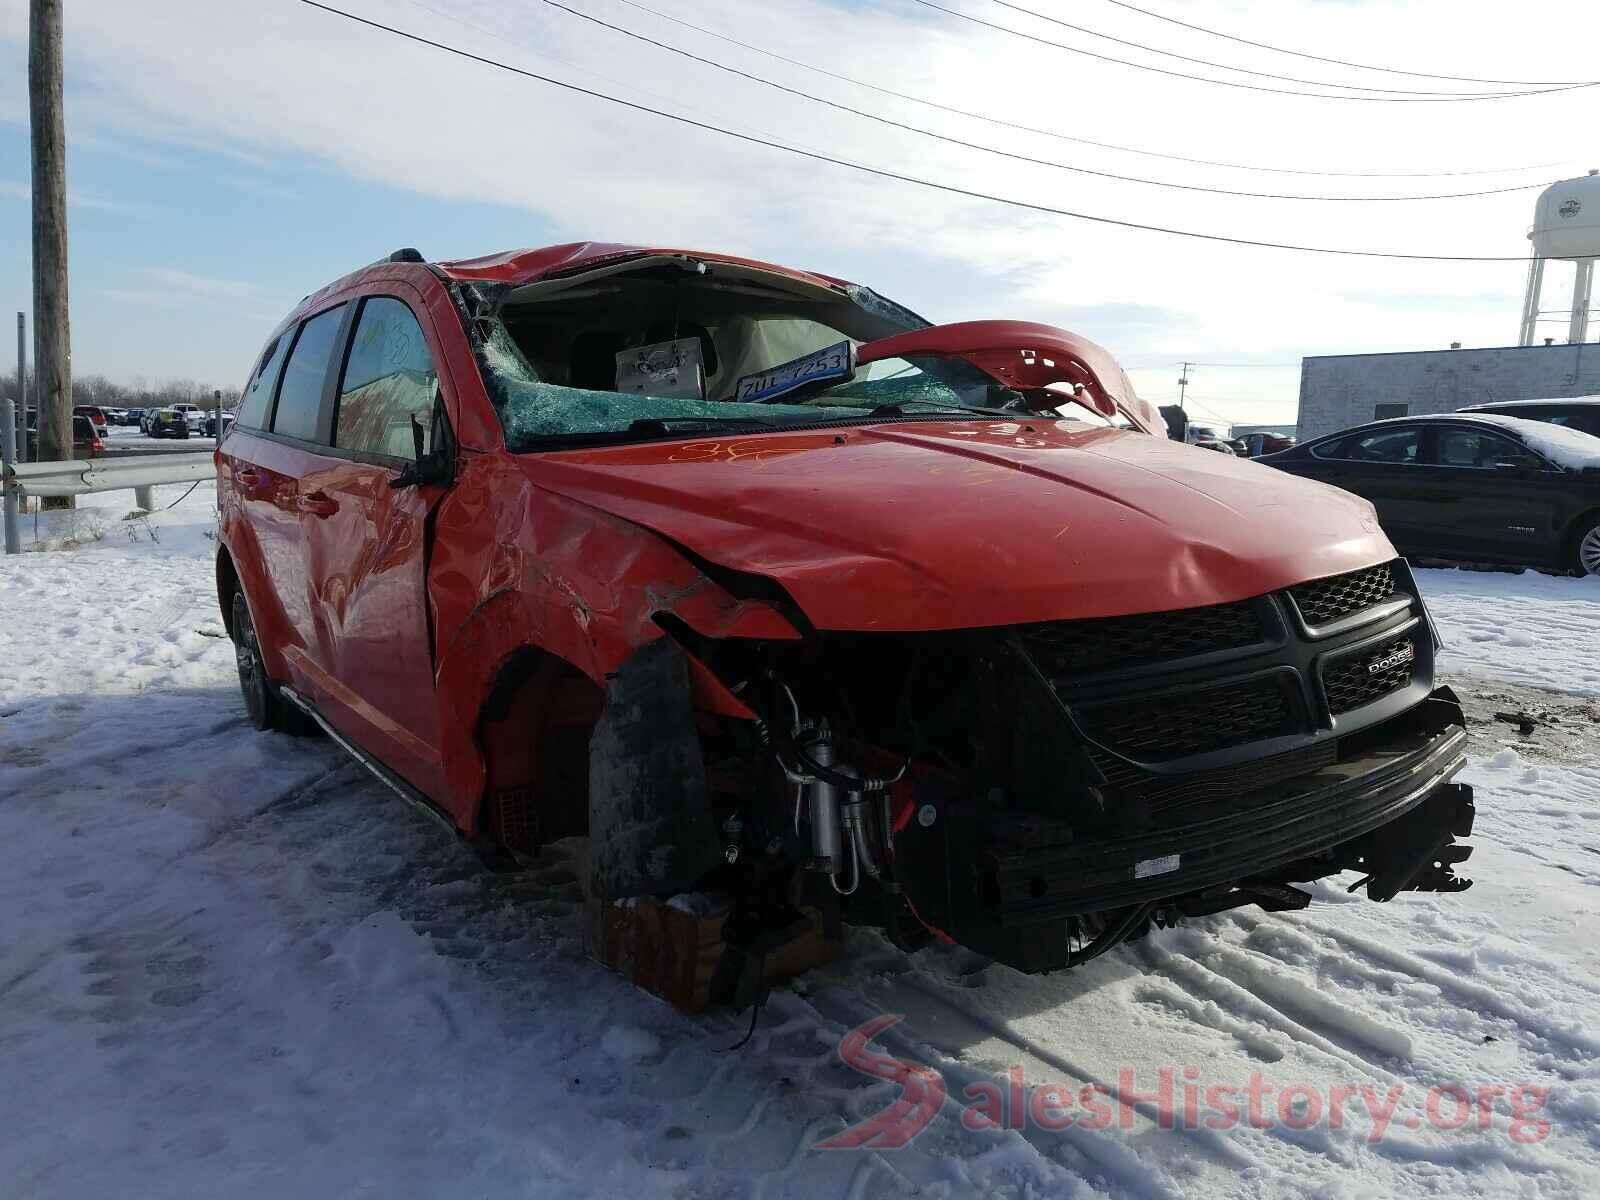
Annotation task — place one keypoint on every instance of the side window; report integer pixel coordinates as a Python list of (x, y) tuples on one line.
[(257, 396), (1332, 448), (1472, 448), (300, 395), (1586, 421), (1384, 446), (389, 379)]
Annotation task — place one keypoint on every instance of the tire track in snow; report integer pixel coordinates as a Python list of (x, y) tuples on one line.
[(1123, 1168), (1485, 998), (1236, 994)]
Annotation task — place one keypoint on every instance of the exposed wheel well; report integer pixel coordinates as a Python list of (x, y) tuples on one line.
[(534, 731), (227, 584)]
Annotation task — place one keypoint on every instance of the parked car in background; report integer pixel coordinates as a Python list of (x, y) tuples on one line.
[(209, 427), (1581, 413), (168, 423), (772, 588), (192, 413), (86, 440), (1254, 445), (96, 415), (1473, 487)]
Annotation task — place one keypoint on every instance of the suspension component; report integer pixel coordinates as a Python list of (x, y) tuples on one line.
[(822, 799)]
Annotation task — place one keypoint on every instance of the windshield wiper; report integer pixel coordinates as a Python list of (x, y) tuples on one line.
[(661, 426), (895, 410)]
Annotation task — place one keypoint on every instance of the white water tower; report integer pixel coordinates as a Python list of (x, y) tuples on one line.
[(1566, 225)]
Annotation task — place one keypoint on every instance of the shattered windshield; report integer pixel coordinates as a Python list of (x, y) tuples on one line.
[(664, 348)]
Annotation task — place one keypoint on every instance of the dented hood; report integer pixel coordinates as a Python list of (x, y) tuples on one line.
[(952, 524)]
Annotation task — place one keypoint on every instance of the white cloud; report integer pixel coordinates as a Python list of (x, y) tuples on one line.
[(267, 79)]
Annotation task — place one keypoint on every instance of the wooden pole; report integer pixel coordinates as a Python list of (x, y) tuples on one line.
[(52, 343)]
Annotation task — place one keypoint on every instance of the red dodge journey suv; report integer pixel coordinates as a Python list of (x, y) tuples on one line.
[(769, 587)]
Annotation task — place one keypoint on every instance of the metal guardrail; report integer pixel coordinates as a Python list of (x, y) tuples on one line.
[(82, 475)]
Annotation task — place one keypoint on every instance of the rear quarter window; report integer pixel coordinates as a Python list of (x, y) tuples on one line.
[(257, 396)]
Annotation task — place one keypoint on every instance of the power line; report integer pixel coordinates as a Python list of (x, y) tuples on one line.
[(1344, 63), (1233, 83), (1052, 133), (1009, 154), (881, 173), (1206, 62), (1248, 366)]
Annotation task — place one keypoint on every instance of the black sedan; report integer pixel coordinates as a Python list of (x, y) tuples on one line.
[(1469, 487)]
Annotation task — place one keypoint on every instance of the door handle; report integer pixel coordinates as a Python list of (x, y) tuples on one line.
[(247, 477), (319, 504)]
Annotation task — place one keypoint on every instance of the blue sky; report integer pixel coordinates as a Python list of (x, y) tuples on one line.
[(183, 259), (225, 159)]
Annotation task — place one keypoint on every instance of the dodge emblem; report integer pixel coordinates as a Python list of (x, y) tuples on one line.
[(1397, 657)]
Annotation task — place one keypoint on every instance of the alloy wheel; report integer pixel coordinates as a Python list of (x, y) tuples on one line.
[(1589, 552)]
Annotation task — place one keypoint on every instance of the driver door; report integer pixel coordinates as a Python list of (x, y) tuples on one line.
[(366, 541), (1385, 466)]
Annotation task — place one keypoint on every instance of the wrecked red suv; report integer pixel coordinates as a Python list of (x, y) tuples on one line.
[(769, 587)]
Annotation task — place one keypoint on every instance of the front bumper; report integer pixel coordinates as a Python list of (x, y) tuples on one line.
[(1254, 835), (1386, 807)]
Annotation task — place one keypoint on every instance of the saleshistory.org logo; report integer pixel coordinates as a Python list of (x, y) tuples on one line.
[(1179, 1100), (1395, 658)]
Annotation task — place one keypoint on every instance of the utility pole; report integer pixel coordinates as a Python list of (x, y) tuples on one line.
[(8, 458), (22, 388), (52, 343), (1183, 382)]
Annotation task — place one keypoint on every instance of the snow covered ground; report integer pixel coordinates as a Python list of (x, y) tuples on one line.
[(1531, 628), (231, 965)]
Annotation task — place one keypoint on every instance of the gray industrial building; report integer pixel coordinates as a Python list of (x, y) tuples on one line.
[(1341, 390)]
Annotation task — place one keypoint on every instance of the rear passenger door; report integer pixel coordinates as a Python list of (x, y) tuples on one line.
[(365, 542), (274, 445)]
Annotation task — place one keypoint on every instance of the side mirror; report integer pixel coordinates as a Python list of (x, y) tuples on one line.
[(433, 467)]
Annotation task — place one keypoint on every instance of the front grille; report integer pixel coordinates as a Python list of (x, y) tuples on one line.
[(1161, 795), (1110, 643), (1359, 679), (1155, 728), (1325, 600)]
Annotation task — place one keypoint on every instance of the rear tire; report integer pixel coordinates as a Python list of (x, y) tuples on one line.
[(266, 708), (1586, 550)]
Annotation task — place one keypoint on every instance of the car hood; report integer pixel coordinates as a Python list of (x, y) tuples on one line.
[(953, 524)]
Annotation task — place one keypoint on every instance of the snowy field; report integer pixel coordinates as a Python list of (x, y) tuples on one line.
[(233, 966)]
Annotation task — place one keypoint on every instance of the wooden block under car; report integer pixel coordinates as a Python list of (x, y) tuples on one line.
[(681, 955)]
